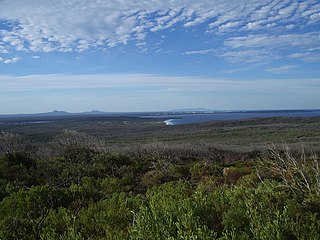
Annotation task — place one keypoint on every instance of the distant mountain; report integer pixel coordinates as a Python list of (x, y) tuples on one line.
[(94, 112), (192, 110), (53, 113), (64, 113)]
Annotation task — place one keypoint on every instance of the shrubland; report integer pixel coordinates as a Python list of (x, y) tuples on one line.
[(77, 187)]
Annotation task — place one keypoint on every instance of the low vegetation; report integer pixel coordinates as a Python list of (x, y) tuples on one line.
[(76, 186)]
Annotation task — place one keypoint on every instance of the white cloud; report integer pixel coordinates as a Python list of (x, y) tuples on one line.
[(308, 56), (199, 52), (282, 40), (289, 10), (271, 47), (227, 26), (3, 50), (10, 60), (65, 26), (140, 81), (282, 69), (40, 93), (249, 56)]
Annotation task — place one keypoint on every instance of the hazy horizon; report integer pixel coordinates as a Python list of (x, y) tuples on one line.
[(124, 56), (182, 110)]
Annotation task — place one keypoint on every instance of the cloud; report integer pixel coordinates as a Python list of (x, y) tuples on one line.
[(66, 26), (281, 69), (251, 56), (308, 56), (3, 49), (228, 26), (199, 52), (128, 92), (307, 40), (266, 47), (144, 81), (10, 60)]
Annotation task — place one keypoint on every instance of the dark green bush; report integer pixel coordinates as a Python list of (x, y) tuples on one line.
[(23, 213)]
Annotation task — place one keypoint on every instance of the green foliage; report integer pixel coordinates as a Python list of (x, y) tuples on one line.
[(267, 212), (23, 213), (77, 192), (17, 158), (263, 211), (115, 165), (171, 213), (200, 170), (19, 168), (104, 187), (3, 192), (106, 219), (78, 155)]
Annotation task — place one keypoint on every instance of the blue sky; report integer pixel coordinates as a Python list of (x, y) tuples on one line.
[(149, 55)]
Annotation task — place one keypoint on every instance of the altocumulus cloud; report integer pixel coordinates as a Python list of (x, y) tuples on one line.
[(248, 25), (9, 60)]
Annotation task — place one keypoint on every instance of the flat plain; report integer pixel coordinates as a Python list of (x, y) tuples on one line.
[(241, 135)]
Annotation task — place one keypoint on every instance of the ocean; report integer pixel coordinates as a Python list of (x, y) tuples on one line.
[(185, 118)]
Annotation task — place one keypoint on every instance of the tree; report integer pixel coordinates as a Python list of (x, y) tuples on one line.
[(10, 142)]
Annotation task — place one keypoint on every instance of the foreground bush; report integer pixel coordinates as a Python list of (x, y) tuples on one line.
[(175, 210), (265, 211), (84, 194)]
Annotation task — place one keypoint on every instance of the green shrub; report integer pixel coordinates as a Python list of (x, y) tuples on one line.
[(106, 219), (199, 170), (23, 213), (171, 213)]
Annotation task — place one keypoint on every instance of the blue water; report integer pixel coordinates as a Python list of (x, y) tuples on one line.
[(176, 119)]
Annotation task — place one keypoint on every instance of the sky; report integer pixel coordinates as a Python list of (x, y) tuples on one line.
[(152, 55)]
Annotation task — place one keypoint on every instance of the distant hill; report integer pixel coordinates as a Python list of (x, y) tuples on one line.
[(53, 113), (192, 110), (94, 112)]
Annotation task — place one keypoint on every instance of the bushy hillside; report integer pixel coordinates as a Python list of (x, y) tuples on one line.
[(75, 188)]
